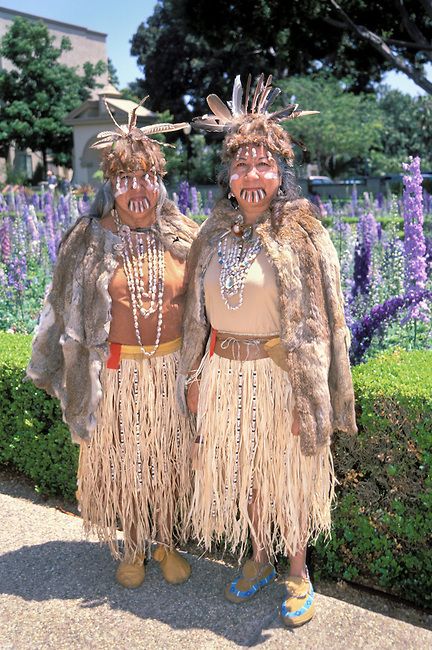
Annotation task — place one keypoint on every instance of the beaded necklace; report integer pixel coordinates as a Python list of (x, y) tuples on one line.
[(237, 251), (145, 301)]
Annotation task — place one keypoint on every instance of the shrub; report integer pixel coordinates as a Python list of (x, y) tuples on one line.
[(383, 519), (33, 437)]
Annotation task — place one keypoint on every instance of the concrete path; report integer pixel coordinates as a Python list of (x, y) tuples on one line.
[(58, 592)]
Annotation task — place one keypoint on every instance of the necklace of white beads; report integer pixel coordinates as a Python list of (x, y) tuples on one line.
[(237, 251), (145, 301)]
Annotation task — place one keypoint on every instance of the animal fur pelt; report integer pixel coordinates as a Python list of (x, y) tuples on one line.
[(313, 329)]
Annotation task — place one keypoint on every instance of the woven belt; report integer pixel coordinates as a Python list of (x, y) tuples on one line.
[(119, 351)]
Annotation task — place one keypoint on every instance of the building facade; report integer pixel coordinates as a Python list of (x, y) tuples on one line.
[(87, 45)]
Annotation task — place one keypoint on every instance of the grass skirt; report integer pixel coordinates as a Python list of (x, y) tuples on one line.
[(136, 470), (249, 453)]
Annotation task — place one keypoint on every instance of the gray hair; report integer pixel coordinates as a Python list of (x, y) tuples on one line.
[(104, 200)]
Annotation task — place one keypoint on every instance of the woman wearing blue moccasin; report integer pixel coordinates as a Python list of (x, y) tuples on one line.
[(264, 361)]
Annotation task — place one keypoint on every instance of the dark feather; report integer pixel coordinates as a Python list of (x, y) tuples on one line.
[(284, 113), (257, 92), (265, 91), (274, 92), (248, 85)]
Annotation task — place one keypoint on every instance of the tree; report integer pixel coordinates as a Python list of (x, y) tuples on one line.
[(404, 40), (341, 138), (255, 36), (407, 131), (113, 77), (39, 92)]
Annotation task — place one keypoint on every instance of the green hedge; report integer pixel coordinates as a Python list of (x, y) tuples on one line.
[(382, 524), (383, 520), (33, 437)]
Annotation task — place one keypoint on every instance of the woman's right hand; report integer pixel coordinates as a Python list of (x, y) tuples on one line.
[(192, 396)]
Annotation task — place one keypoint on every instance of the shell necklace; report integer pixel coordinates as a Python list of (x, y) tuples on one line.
[(237, 251), (145, 301)]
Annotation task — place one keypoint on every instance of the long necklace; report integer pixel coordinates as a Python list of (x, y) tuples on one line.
[(145, 301), (237, 251)]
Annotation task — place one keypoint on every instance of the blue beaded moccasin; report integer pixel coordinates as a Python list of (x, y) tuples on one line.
[(254, 576), (299, 605)]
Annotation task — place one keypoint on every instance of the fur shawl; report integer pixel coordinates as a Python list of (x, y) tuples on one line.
[(71, 341), (313, 329)]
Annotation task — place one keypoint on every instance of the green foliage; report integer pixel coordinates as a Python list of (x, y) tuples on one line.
[(33, 438), (407, 130), (39, 91), (254, 36), (194, 160), (112, 74), (340, 138), (383, 519), (20, 309)]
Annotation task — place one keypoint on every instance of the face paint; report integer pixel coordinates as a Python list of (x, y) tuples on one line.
[(271, 175), (121, 186), (234, 177)]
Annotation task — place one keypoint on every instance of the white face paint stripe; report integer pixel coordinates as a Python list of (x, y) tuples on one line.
[(271, 175), (234, 177)]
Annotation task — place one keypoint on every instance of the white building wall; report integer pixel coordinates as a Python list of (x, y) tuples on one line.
[(87, 45)]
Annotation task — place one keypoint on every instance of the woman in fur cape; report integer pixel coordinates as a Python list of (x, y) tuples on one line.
[(108, 345), (264, 360)]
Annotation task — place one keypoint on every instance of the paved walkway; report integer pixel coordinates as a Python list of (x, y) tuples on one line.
[(58, 592)]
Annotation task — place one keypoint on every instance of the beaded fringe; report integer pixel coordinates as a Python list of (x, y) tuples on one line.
[(136, 470), (248, 453)]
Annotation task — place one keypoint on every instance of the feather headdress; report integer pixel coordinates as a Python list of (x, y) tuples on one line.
[(255, 125), (129, 147)]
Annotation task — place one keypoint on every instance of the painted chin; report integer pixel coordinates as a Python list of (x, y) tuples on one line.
[(253, 196), (138, 206)]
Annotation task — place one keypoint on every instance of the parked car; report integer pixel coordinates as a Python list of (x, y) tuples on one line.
[(319, 180)]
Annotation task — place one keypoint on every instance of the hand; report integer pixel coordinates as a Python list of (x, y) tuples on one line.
[(192, 396), (295, 427)]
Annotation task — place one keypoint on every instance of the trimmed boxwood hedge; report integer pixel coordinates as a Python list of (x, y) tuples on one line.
[(33, 437), (382, 525), (383, 520)]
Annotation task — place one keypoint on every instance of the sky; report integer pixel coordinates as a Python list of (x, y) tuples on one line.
[(120, 21)]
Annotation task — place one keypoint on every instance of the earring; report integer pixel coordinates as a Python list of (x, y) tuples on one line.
[(232, 199), (280, 192)]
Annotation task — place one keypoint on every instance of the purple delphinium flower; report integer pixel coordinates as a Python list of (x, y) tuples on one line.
[(428, 255), (183, 197), (367, 235), (5, 241), (414, 242), (17, 271), (195, 207), (363, 330), (50, 232)]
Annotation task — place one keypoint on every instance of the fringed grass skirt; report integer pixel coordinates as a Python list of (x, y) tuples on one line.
[(248, 453), (136, 470)]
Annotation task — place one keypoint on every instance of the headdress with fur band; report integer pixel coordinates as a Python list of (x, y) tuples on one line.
[(130, 148), (254, 126)]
